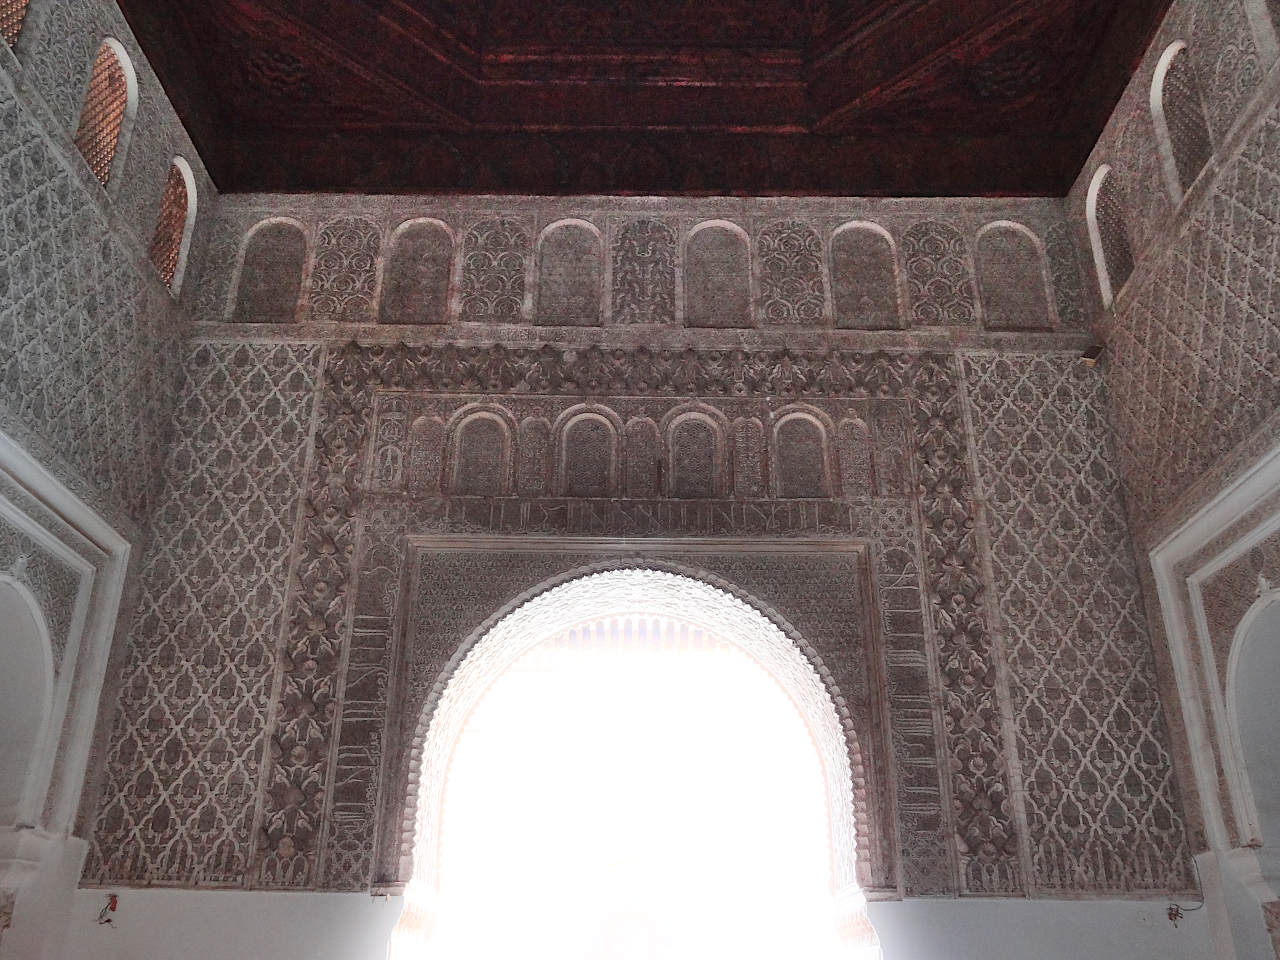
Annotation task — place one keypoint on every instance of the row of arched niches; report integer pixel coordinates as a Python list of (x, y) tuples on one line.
[(641, 448), (618, 268)]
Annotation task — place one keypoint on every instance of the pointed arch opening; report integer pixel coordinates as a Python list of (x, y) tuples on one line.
[(598, 771)]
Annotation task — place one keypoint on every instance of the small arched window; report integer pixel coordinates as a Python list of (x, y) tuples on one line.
[(1108, 236), (1182, 132), (172, 237), (12, 13), (109, 103)]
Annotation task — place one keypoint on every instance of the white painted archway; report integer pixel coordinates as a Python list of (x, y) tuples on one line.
[(1253, 717), (644, 606), (26, 697)]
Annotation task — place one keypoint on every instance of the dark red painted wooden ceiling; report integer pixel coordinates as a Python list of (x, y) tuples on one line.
[(856, 97)]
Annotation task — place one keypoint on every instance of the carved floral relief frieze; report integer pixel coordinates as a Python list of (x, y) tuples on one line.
[(308, 714)]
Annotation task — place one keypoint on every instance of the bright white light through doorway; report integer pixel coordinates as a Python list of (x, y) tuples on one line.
[(634, 787)]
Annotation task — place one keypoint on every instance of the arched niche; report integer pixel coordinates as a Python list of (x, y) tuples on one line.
[(717, 276), (801, 455), (108, 112), (570, 275), (480, 453), (1012, 278), (26, 696), (587, 454), (417, 273), (171, 240), (269, 283), (1108, 234), (693, 455), (1177, 109), (695, 452), (1253, 711), (646, 604), (864, 277)]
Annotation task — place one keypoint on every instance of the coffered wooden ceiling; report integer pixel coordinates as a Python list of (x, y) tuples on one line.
[(858, 97)]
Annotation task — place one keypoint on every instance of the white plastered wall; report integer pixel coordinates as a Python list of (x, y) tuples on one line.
[(1235, 884), (40, 857)]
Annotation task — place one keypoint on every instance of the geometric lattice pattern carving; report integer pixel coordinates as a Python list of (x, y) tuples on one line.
[(12, 13), (1184, 119), (1100, 797), (938, 277), (1222, 31), (166, 242), (83, 361), (1195, 354), (182, 770), (59, 56), (102, 115)]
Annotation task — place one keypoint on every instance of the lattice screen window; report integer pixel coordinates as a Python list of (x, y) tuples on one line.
[(102, 116), (12, 13), (166, 242), (1117, 254), (1187, 129)]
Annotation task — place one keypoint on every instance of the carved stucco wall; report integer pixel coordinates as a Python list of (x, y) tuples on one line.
[(613, 261), (86, 325), (183, 765), (1193, 361), (279, 795), (1101, 804)]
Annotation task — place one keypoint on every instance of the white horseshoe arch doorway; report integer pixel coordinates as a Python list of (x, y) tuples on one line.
[(678, 621)]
